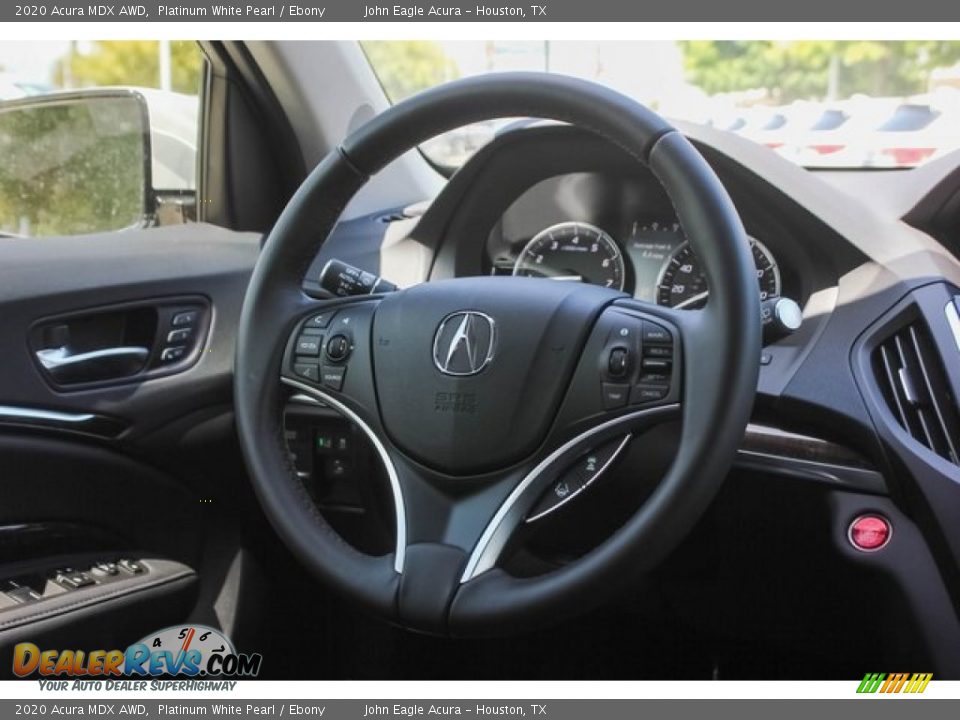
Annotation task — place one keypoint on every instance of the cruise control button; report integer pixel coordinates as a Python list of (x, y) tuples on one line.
[(655, 334), (648, 393), (654, 379), (590, 466), (615, 395), (321, 319), (310, 371), (624, 332), (655, 364), (309, 345), (658, 351), (566, 487), (332, 377)]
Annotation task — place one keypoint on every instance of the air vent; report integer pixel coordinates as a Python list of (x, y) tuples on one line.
[(914, 385)]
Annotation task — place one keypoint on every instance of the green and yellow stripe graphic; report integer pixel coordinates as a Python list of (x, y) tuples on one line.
[(894, 682)]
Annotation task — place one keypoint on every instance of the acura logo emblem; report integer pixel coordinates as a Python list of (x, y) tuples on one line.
[(464, 343)]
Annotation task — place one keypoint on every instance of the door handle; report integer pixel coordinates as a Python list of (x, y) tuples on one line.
[(93, 365)]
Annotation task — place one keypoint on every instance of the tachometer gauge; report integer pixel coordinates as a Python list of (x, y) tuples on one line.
[(575, 252), (683, 284)]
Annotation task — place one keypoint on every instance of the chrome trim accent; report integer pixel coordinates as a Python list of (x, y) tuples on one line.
[(953, 320), (906, 386), (398, 507), (493, 539), (53, 358), (18, 413), (305, 400), (463, 334), (598, 473), (789, 314)]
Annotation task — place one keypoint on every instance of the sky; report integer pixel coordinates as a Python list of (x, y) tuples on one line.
[(30, 61), (645, 70)]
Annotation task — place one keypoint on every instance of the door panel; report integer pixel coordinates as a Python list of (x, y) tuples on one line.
[(109, 455), (51, 277)]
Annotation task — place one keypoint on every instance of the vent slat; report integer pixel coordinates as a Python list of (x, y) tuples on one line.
[(938, 401), (913, 383), (929, 432), (916, 423), (891, 376)]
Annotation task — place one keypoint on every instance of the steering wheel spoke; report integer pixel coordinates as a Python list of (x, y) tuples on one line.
[(453, 529), (564, 470)]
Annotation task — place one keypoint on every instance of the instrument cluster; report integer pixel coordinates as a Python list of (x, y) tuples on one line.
[(653, 260)]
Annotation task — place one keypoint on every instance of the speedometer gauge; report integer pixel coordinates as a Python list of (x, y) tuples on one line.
[(683, 283), (576, 252)]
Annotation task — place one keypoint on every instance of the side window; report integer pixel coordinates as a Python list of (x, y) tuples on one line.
[(98, 136)]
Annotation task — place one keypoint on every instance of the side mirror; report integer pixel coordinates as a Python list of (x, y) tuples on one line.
[(75, 162)]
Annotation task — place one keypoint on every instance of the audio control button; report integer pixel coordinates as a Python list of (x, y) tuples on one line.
[(310, 371), (309, 345), (338, 347), (332, 377), (320, 319)]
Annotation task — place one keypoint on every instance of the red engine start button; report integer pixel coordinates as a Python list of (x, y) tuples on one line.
[(869, 532)]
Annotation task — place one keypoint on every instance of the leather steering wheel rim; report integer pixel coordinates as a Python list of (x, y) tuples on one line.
[(727, 331)]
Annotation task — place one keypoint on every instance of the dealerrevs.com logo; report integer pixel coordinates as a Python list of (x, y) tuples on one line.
[(888, 683), (192, 651)]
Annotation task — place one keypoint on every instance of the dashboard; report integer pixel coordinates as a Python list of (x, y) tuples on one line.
[(851, 249), (589, 227)]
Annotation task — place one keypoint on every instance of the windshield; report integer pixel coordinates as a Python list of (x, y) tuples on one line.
[(816, 103)]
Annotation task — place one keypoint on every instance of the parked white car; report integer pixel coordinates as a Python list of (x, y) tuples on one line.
[(841, 137), (913, 134), (13, 87)]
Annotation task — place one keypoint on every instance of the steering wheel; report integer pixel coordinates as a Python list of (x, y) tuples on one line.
[(480, 394)]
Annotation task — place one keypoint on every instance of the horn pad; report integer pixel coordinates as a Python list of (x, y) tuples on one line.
[(470, 372)]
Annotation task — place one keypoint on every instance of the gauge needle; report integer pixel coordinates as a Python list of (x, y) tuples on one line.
[(567, 278), (693, 300)]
